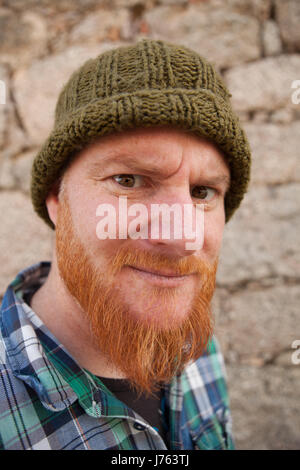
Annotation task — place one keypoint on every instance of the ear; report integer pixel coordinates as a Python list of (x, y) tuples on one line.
[(52, 201)]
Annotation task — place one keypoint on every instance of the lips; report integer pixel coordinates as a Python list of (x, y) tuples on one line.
[(164, 273)]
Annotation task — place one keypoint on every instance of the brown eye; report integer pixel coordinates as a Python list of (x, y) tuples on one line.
[(203, 192), (127, 181)]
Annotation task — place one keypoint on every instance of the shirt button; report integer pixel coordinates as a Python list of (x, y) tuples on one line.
[(139, 426)]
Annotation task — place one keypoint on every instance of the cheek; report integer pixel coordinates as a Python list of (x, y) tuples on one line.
[(213, 234), (88, 211)]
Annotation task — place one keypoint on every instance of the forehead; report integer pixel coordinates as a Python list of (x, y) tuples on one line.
[(158, 151)]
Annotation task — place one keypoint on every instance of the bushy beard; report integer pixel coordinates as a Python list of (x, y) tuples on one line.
[(148, 352)]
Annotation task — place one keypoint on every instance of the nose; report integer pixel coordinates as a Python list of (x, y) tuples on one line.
[(175, 225)]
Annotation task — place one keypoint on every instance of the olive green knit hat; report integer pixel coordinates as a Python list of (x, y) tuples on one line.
[(150, 83)]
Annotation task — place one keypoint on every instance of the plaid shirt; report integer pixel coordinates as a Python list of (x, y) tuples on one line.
[(48, 402)]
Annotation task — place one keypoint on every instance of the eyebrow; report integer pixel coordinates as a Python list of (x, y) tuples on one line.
[(131, 163), (152, 170), (214, 181)]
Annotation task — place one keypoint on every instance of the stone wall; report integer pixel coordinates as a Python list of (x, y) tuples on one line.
[(255, 44)]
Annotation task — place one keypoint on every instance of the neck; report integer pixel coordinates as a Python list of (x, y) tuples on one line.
[(64, 317)]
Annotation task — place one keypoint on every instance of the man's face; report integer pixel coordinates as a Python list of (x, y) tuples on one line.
[(147, 300)]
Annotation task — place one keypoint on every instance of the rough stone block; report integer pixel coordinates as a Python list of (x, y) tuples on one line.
[(271, 38), (268, 143), (265, 407), (23, 36), (288, 17), (265, 85), (37, 87), (261, 241), (259, 323), (102, 25), (212, 32), (4, 103), (24, 238)]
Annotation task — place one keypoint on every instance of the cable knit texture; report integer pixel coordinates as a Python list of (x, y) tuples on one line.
[(151, 83)]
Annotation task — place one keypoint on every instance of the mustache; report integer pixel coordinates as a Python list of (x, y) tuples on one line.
[(143, 259)]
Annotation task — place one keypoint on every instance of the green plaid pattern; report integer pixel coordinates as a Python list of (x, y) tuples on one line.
[(47, 402)]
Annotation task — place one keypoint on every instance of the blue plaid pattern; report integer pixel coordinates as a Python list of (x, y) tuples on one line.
[(47, 402)]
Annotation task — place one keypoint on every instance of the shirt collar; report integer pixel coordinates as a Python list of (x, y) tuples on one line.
[(22, 331)]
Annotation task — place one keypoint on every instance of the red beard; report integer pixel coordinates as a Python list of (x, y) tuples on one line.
[(146, 352)]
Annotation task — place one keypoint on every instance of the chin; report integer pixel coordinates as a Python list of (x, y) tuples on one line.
[(159, 316)]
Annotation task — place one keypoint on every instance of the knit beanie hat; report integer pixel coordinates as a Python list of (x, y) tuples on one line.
[(151, 83)]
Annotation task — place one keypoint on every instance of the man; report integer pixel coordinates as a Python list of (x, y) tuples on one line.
[(112, 346)]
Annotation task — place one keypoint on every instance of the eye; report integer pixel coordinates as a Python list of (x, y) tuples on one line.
[(203, 192), (128, 180)]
